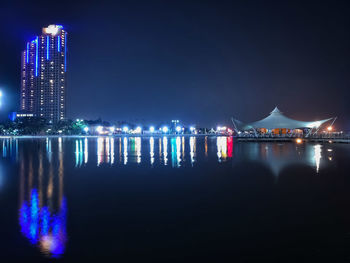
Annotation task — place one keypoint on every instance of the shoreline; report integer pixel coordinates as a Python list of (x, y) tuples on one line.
[(115, 135), (237, 139)]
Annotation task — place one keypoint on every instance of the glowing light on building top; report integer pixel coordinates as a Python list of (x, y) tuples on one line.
[(52, 30)]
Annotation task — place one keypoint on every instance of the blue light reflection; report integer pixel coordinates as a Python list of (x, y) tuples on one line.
[(43, 228)]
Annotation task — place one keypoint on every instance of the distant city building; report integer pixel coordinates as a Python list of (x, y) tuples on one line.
[(43, 75)]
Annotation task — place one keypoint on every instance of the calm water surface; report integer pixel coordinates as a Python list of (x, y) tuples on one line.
[(173, 199)]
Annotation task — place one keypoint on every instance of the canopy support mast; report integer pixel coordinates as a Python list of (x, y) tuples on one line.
[(234, 125)]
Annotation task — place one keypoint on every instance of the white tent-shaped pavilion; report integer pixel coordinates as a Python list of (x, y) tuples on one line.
[(276, 120)]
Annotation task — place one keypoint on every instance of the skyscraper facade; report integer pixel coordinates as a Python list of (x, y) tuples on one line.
[(43, 75)]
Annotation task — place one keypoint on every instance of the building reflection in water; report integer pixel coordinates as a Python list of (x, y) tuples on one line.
[(278, 156), (42, 209)]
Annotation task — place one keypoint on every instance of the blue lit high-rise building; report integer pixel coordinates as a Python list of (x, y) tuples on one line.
[(43, 75)]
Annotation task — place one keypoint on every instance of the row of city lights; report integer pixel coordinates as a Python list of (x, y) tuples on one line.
[(164, 129), (138, 129)]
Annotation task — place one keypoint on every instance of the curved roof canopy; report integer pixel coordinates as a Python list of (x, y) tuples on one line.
[(276, 120)]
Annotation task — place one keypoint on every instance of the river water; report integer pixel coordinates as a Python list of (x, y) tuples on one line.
[(173, 199)]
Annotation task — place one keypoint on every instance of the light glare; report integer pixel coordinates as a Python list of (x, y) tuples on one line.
[(99, 129)]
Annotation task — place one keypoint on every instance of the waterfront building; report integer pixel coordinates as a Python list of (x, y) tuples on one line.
[(278, 123), (43, 75)]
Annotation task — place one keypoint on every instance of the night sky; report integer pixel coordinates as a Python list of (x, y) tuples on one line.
[(198, 61)]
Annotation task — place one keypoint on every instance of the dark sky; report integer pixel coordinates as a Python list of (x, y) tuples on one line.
[(198, 61)]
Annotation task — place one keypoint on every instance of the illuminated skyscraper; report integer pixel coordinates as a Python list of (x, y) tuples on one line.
[(43, 75)]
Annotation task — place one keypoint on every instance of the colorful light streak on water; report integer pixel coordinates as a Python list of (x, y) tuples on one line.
[(125, 150), (100, 151), (151, 149), (221, 143), (79, 153), (138, 149), (176, 151), (165, 150), (112, 151), (192, 149), (130, 150), (317, 156), (86, 151)]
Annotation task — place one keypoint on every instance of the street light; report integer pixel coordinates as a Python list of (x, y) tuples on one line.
[(138, 129), (99, 129)]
